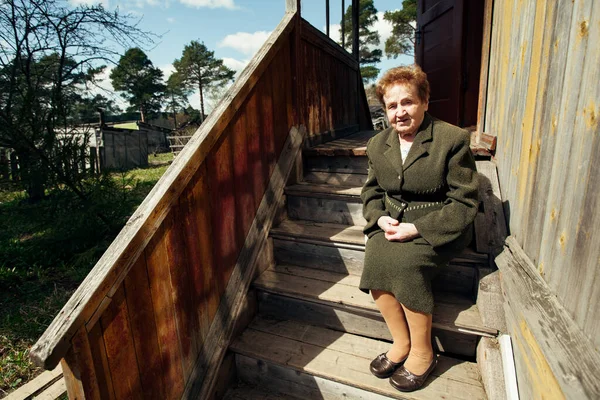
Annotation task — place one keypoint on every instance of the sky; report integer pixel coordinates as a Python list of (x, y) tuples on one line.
[(233, 29)]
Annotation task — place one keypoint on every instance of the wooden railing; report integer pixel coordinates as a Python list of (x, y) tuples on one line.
[(155, 315)]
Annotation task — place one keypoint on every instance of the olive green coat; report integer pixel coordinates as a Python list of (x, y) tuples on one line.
[(435, 189)]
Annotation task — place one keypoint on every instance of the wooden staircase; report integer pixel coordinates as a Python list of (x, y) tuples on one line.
[(315, 332)]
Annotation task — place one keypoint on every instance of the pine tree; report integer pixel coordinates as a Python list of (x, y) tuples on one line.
[(176, 95), (402, 40), (199, 69), (367, 39), (141, 83)]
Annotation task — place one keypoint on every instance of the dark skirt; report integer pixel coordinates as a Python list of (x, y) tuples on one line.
[(405, 269)]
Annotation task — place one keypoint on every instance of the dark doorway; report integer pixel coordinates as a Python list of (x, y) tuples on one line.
[(448, 49)]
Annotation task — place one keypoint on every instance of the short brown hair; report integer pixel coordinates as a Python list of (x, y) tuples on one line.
[(410, 74)]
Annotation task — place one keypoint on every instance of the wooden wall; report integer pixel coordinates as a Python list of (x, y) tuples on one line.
[(544, 105), (137, 325), (330, 88)]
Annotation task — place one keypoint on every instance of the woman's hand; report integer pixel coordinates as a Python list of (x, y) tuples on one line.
[(396, 231)]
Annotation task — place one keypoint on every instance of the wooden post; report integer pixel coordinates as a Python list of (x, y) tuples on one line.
[(292, 6), (327, 17)]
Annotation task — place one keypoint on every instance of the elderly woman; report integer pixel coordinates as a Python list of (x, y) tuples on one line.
[(420, 200)]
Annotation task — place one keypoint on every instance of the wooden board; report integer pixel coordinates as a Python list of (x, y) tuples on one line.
[(159, 278), (555, 355), (345, 236), (335, 178), (451, 312), (120, 350), (143, 329), (326, 209), (38, 384), (490, 224), (344, 358), (367, 323)]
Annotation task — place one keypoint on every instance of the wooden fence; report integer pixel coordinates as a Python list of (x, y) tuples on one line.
[(154, 317), (86, 163)]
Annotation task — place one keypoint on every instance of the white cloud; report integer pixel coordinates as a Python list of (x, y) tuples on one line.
[(244, 42), (334, 33), (210, 3), (171, 20), (167, 71), (235, 65), (384, 28)]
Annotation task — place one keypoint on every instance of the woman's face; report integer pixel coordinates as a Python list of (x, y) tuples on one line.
[(404, 109)]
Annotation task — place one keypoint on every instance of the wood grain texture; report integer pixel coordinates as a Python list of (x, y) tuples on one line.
[(37, 384), (552, 348), (452, 311), (120, 349), (159, 277), (333, 355), (143, 330), (543, 104), (81, 378)]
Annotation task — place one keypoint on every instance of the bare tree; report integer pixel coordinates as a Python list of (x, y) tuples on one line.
[(49, 52)]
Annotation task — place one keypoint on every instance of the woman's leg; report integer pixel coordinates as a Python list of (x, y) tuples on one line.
[(393, 314), (421, 350)]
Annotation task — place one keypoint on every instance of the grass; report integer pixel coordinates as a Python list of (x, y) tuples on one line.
[(46, 249)]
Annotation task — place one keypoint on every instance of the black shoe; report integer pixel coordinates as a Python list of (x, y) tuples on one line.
[(382, 367), (406, 381)]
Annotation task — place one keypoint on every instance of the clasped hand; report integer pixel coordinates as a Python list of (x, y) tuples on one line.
[(396, 231)]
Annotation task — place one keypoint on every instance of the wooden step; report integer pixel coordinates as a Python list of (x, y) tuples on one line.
[(353, 145), (325, 203), (344, 236), (452, 312), (340, 248), (319, 363), (250, 391), (336, 178)]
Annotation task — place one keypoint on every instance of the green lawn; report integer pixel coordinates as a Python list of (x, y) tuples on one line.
[(46, 249)]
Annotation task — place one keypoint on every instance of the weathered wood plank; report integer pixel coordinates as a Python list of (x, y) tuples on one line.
[(79, 371), (559, 359), (143, 329), (223, 210), (112, 268), (457, 379), (490, 225), (157, 261), (202, 379), (258, 174), (451, 312), (39, 383), (367, 323), (101, 366), (241, 190), (120, 350), (55, 391)]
